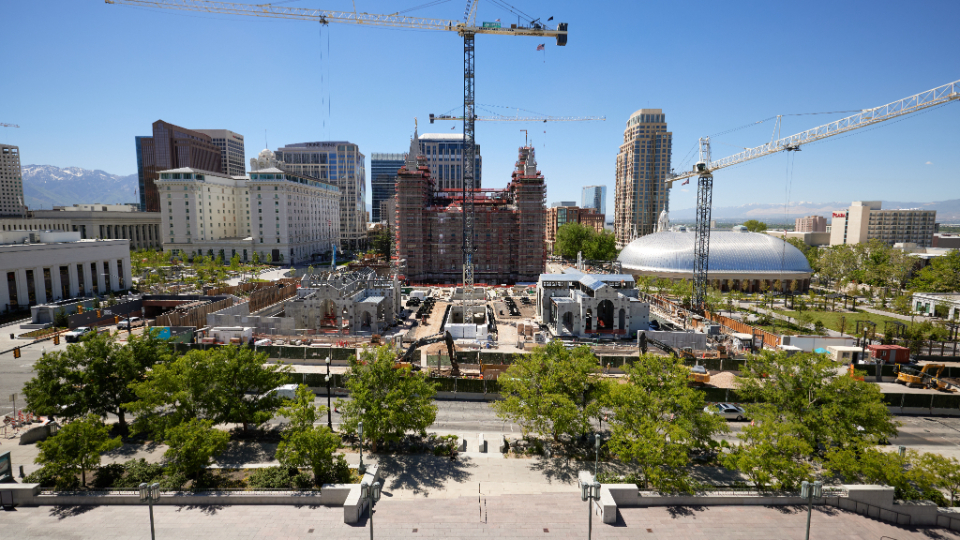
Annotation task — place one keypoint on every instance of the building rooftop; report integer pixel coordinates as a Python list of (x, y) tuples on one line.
[(442, 136), (730, 251)]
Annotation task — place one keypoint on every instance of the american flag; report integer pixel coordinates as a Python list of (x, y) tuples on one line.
[(541, 47), (685, 183), (498, 20)]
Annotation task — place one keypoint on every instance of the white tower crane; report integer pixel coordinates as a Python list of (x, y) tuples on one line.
[(705, 167)]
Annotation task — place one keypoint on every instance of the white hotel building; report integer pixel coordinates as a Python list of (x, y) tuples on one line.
[(290, 217)]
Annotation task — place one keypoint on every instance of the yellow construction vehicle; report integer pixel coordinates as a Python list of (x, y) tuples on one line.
[(699, 376), (926, 377)]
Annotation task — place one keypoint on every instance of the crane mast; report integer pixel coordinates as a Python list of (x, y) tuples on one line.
[(466, 29), (705, 166)]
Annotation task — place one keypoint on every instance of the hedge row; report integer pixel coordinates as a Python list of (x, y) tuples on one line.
[(283, 352)]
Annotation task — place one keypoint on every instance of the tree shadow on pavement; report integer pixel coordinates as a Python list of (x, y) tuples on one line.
[(685, 511), (422, 473), (208, 509), (565, 470), (64, 512), (247, 452), (130, 450)]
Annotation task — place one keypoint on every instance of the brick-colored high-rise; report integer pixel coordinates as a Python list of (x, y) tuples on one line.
[(172, 147), (509, 226)]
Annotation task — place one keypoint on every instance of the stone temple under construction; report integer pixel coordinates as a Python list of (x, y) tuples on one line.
[(509, 227)]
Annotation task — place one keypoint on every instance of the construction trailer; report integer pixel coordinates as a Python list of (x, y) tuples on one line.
[(890, 354)]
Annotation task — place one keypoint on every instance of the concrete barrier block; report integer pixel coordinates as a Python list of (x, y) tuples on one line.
[(462, 443), (481, 444), (881, 496), (353, 506), (606, 507)]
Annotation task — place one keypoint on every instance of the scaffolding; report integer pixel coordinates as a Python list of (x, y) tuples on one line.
[(510, 225)]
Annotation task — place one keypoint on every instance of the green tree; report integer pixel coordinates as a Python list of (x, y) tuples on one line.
[(572, 238), (753, 225), (92, 376), (551, 391), (60, 318), (658, 420), (77, 445), (600, 246), (193, 445), (382, 243), (804, 408), (388, 401), (941, 275), (307, 445), (235, 262), (228, 384), (255, 258)]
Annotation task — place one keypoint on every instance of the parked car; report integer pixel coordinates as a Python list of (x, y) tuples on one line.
[(287, 391), (726, 410), (132, 322), (77, 334)]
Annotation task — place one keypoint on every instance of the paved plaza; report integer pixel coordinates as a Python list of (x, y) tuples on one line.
[(557, 516)]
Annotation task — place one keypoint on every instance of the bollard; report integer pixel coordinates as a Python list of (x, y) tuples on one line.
[(482, 445)]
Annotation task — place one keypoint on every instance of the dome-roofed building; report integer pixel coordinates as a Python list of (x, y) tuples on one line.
[(739, 259)]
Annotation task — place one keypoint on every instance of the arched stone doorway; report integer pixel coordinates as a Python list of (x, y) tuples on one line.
[(623, 319), (588, 320), (605, 316)]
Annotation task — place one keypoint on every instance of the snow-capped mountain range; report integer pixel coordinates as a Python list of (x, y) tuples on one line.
[(947, 211), (46, 185)]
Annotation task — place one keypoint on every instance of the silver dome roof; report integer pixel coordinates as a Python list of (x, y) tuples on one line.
[(730, 251)]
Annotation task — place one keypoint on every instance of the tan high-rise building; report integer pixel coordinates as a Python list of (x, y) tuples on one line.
[(811, 224), (11, 182), (864, 220), (642, 167)]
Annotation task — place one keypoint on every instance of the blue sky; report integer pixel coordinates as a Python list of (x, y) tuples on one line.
[(91, 76)]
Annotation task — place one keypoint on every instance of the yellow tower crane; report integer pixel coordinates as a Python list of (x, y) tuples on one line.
[(467, 29)]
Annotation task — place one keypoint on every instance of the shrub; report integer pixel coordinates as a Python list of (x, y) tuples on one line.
[(140, 471), (48, 477), (272, 478), (109, 476)]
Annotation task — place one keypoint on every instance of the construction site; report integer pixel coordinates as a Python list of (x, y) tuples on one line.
[(509, 225)]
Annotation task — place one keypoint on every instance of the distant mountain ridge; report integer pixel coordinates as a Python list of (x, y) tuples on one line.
[(947, 211), (45, 186)]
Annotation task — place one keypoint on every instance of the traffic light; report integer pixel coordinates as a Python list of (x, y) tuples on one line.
[(16, 352)]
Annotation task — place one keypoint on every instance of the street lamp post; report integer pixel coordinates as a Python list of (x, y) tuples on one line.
[(360, 429), (329, 417), (590, 491), (371, 494), (150, 494), (596, 465), (809, 491)]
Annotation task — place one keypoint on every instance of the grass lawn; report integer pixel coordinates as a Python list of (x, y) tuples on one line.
[(831, 319)]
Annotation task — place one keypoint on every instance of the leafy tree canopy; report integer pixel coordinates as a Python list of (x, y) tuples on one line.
[(228, 384), (942, 274), (658, 420), (307, 445), (753, 225), (92, 376), (574, 237), (551, 391), (388, 401), (77, 446), (193, 445)]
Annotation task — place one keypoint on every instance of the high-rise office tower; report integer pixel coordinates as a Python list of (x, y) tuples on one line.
[(595, 197), (171, 147), (383, 181), (444, 153), (342, 164), (232, 157), (11, 182), (642, 166)]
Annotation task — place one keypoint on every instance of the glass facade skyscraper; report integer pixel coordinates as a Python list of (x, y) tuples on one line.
[(444, 153), (341, 163), (383, 180), (595, 197)]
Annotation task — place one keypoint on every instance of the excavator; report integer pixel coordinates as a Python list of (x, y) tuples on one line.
[(406, 360), (698, 374), (926, 377)]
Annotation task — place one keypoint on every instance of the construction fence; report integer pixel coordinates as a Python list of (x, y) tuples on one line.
[(281, 352), (195, 316), (273, 294)]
